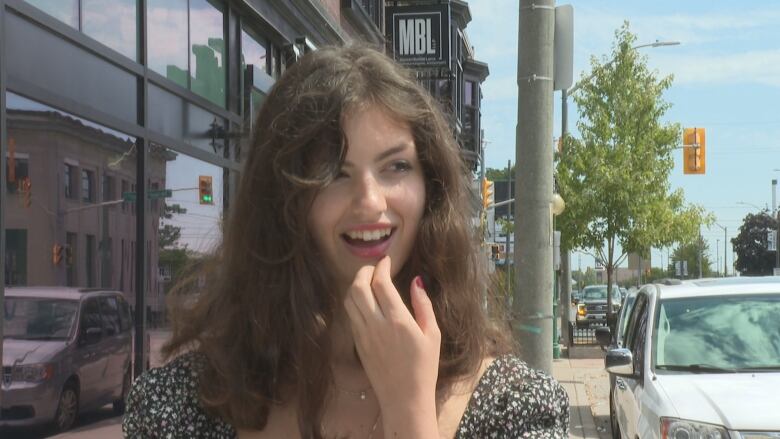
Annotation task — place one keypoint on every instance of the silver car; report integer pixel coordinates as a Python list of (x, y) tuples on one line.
[(698, 359), (65, 350)]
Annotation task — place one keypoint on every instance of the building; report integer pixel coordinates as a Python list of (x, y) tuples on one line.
[(112, 111)]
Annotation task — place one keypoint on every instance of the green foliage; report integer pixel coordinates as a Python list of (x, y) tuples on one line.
[(750, 245), (584, 278), (498, 174), (690, 251), (615, 178)]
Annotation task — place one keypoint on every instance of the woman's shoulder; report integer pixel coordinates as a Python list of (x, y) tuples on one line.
[(164, 402), (515, 400)]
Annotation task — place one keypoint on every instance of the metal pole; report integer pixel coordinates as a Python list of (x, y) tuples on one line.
[(508, 272), (701, 250), (532, 318), (565, 283), (717, 257), (725, 266)]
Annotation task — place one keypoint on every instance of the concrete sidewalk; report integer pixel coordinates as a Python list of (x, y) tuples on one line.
[(580, 371)]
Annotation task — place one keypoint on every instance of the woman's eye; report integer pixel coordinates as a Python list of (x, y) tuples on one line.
[(340, 175), (401, 166)]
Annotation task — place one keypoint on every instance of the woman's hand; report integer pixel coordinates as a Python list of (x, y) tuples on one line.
[(399, 352)]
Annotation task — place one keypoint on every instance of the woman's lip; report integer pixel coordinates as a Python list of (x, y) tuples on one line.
[(370, 252)]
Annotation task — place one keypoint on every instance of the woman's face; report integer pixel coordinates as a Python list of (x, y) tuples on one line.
[(374, 206)]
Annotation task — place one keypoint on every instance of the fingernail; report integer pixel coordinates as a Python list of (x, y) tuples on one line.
[(419, 282)]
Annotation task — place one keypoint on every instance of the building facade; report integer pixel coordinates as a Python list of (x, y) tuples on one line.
[(111, 111)]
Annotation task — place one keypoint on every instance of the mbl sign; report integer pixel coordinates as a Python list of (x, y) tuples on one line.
[(420, 34)]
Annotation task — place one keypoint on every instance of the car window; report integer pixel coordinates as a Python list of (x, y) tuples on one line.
[(109, 310), (37, 318), (633, 320), (638, 347), (125, 320), (90, 315)]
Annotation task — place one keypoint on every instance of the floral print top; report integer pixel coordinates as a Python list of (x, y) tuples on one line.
[(511, 400)]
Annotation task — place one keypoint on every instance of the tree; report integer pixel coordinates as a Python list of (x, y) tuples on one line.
[(498, 174), (690, 252), (615, 177), (750, 245), (172, 256)]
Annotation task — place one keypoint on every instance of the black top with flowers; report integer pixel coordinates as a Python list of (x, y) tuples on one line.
[(510, 401)]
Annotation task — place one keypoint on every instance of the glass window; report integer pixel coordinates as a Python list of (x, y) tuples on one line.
[(730, 332), (113, 23), (125, 320), (87, 186), (28, 318), (56, 241), (109, 310), (167, 39), (253, 52), (66, 11), (68, 176), (469, 93), (90, 315), (207, 57)]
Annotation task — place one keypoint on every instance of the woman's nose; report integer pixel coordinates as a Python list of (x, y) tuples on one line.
[(369, 196)]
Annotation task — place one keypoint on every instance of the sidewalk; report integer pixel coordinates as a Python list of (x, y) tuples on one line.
[(581, 373)]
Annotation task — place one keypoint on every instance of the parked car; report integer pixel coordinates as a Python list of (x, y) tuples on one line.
[(592, 305), (698, 360), (65, 351), (623, 294)]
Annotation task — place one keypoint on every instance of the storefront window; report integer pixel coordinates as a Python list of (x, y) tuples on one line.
[(253, 52), (207, 55), (66, 11), (167, 39), (113, 23), (57, 233)]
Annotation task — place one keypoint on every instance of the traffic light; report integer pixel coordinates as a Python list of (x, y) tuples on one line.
[(205, 190), (25, 189), (487, 193), (694, 159), (494, 251), (56, 254)]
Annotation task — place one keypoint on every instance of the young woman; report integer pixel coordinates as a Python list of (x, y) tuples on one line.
[(347, 297)]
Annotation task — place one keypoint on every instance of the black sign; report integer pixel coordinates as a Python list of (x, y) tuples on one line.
[(420, 34)]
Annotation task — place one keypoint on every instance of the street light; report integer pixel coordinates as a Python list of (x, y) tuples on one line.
[(725, 243), (745, 203)]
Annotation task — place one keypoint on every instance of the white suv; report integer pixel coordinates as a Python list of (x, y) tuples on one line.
[(701, 359)]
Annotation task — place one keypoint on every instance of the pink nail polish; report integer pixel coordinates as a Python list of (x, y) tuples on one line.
[(419, 282)]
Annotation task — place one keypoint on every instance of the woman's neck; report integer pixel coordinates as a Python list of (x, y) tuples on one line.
[(345, 363)]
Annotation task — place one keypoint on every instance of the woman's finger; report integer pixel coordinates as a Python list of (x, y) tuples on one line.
[(361, 295), (385, 292), (423, 307)]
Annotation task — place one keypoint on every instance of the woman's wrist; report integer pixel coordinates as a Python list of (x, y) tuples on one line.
[(415, 420)]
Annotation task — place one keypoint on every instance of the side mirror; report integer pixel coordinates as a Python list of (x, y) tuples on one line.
[(92, 335), (619, 362), (603, 336)]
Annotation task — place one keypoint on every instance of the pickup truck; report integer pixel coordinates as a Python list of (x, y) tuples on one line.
[(592, 305)]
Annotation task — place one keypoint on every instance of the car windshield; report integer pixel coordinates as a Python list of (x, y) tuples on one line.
[(38, 319), (599, 293), (720, 332)]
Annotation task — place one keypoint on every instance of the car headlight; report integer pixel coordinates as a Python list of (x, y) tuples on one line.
[(32, 373), (673, 428), (580, 310)]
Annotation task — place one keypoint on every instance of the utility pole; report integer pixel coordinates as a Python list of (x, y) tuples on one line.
[(532, 317)]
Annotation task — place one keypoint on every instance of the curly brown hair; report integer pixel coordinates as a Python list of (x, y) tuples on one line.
[(261, 320)]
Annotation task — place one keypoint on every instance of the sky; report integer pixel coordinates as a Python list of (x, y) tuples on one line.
[(726, 73)]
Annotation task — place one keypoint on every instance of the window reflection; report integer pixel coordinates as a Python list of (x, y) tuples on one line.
[(207, 56), (60, 231), (113, 23), (253, 52), (725, 331), (167, 31), (66, 11)]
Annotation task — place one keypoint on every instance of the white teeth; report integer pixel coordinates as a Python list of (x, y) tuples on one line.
[(371, 235)]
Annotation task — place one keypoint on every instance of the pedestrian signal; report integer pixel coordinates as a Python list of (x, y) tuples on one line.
[(487, 193), (694, 159), (205, 190)]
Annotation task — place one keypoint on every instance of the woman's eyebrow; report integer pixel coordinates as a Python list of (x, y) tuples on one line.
[(388, 152)]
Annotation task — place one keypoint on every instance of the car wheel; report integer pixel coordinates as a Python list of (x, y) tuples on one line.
[(119, 404), (613, 422), (67, 408)]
